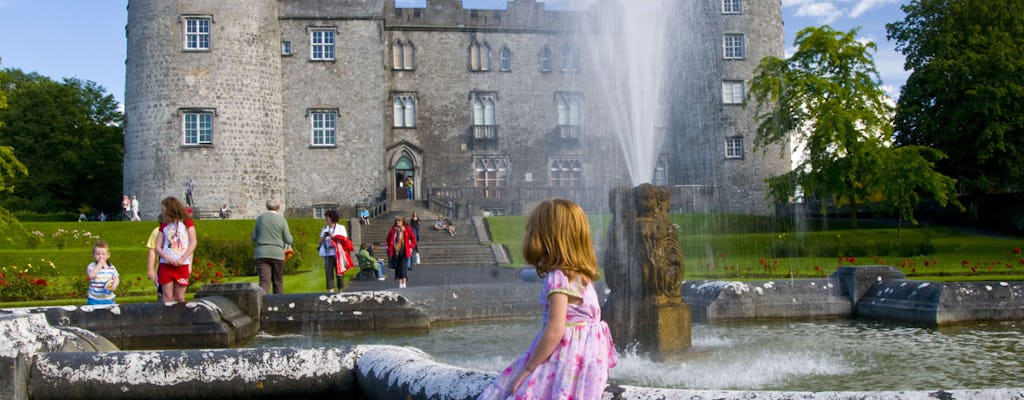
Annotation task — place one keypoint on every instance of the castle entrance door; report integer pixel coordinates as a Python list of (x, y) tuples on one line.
[(404, 175), (404, 166)]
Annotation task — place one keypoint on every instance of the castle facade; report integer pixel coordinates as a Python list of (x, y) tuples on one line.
[(335, 104)]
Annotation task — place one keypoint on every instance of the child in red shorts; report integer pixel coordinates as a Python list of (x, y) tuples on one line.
[(176, 241)]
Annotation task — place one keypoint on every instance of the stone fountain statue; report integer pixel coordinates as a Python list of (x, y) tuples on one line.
[(644, 270)]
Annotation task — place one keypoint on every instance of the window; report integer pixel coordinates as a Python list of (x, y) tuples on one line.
[(324, 127), (733, 45), (404, 111), (479, 56), (570, 59), (565, 171), (734, 147), (320, 209), (732, 6), (545, 59), (506, 59), (660, 177), (489, 173), (286, 47), (732, 92), (197, 127), (483, 116), (403, 55), (197, 33), (321, 44), (569, 114)]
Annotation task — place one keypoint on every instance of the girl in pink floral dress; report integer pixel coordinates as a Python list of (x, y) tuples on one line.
[(571, 356)]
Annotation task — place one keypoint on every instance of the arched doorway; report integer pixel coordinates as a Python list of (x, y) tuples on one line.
[(404, 163)]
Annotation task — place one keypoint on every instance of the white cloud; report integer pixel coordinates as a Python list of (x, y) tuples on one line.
[(825, 12), (863, 6)]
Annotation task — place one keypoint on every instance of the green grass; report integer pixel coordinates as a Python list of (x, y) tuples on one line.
[(717, 246)]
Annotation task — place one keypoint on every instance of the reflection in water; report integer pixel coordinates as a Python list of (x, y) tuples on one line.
[(801, 356)]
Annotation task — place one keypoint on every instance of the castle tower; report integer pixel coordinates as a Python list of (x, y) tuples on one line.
[(204, 104)]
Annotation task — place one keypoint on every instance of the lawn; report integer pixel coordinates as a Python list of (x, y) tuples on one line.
[(715, 246)]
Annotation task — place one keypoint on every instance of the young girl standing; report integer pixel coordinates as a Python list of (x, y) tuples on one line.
[(176, 241), (571, 356)]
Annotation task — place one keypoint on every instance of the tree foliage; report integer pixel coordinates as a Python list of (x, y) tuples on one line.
[(69, 136), (965, 95), (827, 97)]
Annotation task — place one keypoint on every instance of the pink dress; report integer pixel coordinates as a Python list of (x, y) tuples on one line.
[(578, 368)]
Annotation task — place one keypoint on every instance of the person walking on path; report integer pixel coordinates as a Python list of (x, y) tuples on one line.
[(271, 237), (176, 243), (334, 248), (414, 223), (571, 356), (135, 208), (401, 241)]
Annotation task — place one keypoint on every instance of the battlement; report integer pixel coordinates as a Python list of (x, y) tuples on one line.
[(518, 15)]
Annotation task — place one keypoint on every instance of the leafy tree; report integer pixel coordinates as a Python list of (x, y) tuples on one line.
[(965, 95), (827, 97), (69, 136), (10, 167)]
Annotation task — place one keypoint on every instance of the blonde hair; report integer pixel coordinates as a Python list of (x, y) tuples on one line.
[(100, 245), (558, 237)]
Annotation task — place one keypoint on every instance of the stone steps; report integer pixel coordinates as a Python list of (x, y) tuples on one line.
[(435, 247)]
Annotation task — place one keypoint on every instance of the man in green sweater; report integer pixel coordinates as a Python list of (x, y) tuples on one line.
[(271, 236)]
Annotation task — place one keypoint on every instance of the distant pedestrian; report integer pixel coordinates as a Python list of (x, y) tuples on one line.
[(409, 193), (126, 208), (334, 248), (135, 209), (103, 277), (271, 237), (401, 241)]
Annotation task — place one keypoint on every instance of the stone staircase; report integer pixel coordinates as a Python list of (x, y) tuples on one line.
[(435, 247)]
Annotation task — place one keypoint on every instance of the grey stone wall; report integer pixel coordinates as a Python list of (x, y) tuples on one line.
[(261, 146), (238, 79)]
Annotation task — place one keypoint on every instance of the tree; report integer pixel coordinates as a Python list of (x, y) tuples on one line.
[(965, 95), (827, 97), (69, 136), (906, 174), (10, 168)]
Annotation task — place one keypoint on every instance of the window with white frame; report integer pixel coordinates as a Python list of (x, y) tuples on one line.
[(479, 56), (197, 127), (732, 44), (321, 44), (491, 172), (660, 177), (734, 147), (570, 106), (323, 128), (404, 106), (732, 6), (320, 209), (570, 59), (197, 33), (286, 47), (403, 55), (565, 171), (506, 59), (483, 116), (545, 59), (732, 92)]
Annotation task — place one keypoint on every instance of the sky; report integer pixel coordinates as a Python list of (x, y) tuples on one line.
[(85, 38)]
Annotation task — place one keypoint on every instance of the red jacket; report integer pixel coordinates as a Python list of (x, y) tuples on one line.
[(410, 241)]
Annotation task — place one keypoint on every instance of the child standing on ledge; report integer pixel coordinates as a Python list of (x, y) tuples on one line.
[(103, 277), (571, 356)]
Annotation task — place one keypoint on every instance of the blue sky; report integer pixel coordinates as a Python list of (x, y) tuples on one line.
[(85, 38)]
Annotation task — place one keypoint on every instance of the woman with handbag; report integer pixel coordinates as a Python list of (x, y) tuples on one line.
[(400, 244), (333, 240)]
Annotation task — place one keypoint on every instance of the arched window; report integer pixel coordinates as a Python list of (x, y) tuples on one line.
[(565, 172), (404, 108), (490, 173), (483, 116), (545, 59), (410, 56), (569, 115), (479, 56), (570, 59), (506, 59), (398, 55)]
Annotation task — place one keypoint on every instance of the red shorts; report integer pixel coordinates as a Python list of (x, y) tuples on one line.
[(178, 274)]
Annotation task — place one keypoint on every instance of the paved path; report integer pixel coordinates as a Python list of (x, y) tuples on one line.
[(440, 275)]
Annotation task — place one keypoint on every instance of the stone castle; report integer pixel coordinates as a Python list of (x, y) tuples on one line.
[(333, 104)]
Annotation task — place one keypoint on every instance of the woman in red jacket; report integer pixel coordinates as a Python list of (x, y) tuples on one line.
[(401, 242)]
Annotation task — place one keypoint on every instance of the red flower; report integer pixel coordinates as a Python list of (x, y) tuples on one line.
[(1022, 261), (851, 260), (760, 260), (926, 263), (1016, 250), (965, 262), (219, 274), (817, 268)]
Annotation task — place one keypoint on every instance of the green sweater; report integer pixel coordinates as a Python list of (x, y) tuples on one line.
[(271, 235)]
